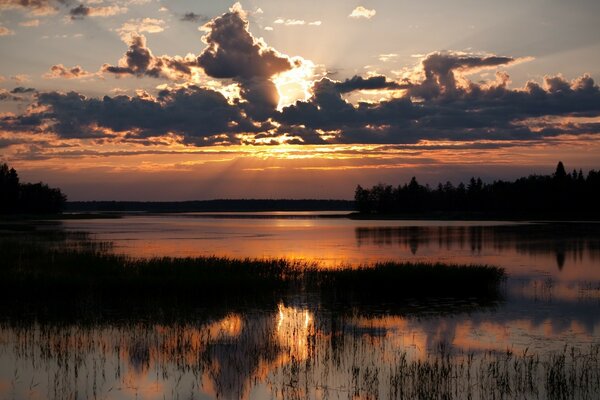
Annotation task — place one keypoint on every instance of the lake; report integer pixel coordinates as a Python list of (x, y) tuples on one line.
[(299, 347)]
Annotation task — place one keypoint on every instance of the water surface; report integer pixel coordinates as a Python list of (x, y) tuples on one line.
[(302, 349)]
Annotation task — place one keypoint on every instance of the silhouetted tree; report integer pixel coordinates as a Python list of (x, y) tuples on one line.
[(9, 188), (361, 196), (557, 195), (30, 198), (560, 172)]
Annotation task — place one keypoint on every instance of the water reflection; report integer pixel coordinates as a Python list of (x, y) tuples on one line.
[(577, 242), (290, 352), (564, 251), (304, 348)]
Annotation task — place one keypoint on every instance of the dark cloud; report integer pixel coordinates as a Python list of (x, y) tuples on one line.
[(22, 90), (5, 95), (233, 53), (79, 12), (371, 83), (14, 95), (442, 106), (193, 17), (140, 61), (37, 7), (137, 60), (440, 70), (82, 11), (200, 116), (437, 101)]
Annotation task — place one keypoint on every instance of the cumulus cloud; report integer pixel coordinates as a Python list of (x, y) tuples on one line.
[(200, 116), (60, 71), (5, 95), (439, 105), (233, 53), (141, 25), (21, 78), (22, 90), (371, 83), (82, 11), (19, 93), (33, 7), (193, 17), (4, 31), (362, 12), (437, 100), (30, 23), (139, 61)]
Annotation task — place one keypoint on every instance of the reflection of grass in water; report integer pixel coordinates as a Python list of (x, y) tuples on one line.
[(232, 355)]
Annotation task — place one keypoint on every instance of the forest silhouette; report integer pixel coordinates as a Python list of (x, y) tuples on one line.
[(559, 195), (27, 198)]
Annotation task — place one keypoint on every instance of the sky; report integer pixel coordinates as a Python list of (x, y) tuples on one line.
[(182, 100)]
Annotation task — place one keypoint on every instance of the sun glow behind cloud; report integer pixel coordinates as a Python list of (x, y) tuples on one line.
[(295, 84)]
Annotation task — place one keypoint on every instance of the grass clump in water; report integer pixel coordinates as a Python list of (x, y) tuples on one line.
[(86, 268)]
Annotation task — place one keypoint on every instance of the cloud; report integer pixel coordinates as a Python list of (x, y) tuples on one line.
[(441, 69), (22, 90), (19, 93), (193, 17), (233, 53), (139, 61), (371, 83), (82, 11), (141, 25), (289, 22), (4, 31), (5, 95), (362, 12), (295, 22), (60, 71), (21, 78), (438, 100), (387, 57), (440, 103), (30, 23), (33, 7), (199, 116)]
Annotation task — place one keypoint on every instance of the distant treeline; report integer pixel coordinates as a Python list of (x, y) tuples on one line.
[(27, 198), (559, 195), (242, 205)]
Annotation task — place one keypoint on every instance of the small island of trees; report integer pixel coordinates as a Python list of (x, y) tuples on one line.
[(559, 195), (27, 198)]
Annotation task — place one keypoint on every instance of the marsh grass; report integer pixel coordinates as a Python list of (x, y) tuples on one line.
[(304, 364), (72, 266)]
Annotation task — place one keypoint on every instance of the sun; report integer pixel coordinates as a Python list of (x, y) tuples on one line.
[(295, 84)]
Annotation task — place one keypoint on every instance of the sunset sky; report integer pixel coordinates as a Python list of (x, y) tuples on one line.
[(181, 100)]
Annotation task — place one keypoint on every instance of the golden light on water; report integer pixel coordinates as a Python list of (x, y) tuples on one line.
[(294, 326)]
